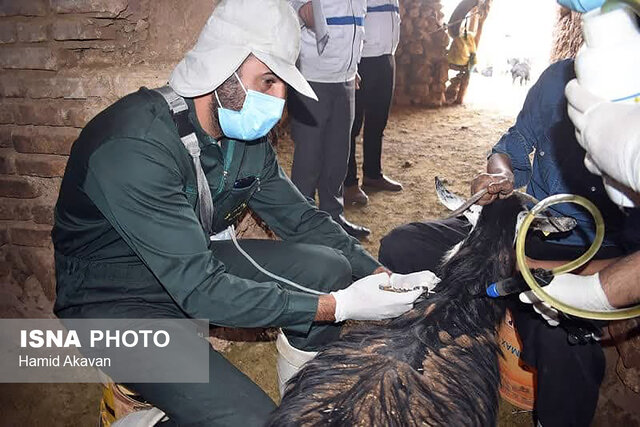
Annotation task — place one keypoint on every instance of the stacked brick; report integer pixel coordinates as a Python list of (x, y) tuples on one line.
[(421, 57), (61, 61)]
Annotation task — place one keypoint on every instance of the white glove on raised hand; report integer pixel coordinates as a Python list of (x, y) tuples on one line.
[(421, 279), (609, 132), (364, 300), (583, 292)]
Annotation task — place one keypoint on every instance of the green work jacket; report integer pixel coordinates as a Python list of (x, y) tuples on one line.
[(126, 227)]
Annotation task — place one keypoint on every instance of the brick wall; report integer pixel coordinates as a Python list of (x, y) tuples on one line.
[(421, 60), (61, 62)]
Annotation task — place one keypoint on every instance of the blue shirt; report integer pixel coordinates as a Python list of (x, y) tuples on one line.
[(543, 129)]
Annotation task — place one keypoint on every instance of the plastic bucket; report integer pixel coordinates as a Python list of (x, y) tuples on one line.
[(517, 380)]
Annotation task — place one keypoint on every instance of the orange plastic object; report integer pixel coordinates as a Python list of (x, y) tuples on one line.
[(517, 385)]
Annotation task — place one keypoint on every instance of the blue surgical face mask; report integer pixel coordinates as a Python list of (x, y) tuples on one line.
[(258, 115), (581, 5)]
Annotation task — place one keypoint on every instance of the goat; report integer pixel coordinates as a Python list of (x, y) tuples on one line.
[(435, 365)]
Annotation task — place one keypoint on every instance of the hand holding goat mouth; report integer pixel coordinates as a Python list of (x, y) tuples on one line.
[(472, 207), (492, 186)]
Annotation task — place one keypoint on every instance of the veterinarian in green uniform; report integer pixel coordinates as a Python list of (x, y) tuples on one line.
[(154, 175)]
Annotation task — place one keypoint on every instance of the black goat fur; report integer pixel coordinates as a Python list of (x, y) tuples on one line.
[(435, 365)]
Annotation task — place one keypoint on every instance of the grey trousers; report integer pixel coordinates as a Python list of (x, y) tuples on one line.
[(321, 133)]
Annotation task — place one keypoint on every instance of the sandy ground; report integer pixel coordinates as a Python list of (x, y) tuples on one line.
[(420, 144)]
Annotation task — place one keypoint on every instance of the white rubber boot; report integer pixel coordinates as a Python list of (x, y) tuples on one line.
[(290, 360)]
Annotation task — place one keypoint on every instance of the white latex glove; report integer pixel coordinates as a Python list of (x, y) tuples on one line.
[(583, 292), (421, 279), (364, 300), (609, 132)]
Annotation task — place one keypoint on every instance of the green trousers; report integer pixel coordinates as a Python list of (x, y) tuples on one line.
[(230, 398)]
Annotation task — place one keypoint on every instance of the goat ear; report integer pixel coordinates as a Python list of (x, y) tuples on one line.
[(553, 224)]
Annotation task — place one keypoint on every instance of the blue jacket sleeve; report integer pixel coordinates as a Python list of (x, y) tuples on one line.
[(521, 139), (517, 147)]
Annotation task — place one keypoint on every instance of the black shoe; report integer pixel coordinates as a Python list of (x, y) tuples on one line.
[(384, 183), (353, 195), (352, 229)]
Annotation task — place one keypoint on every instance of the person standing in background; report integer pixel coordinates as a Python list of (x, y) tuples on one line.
[(332, 35), (373, 100)]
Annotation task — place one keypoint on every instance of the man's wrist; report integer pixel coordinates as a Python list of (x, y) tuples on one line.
[(326, 311), (621, 281), (500, 164)]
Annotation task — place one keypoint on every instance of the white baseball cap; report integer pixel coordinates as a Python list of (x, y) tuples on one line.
[(268, 29)]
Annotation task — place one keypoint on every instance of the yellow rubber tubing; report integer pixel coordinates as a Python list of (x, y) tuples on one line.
[(625, 313)]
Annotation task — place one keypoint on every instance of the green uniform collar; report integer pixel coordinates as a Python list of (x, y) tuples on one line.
[(203, 137)]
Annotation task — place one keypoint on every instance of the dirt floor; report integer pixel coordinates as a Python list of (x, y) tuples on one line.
[(451, 143)]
